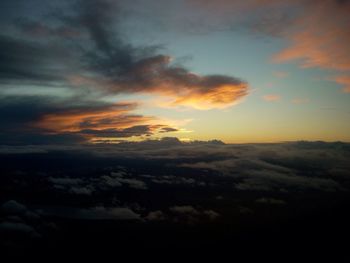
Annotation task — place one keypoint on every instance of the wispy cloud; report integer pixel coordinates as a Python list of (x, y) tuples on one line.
[(317, 31), (271, 97), (280, 74), (319, 38), (300, 100), (345, 81)]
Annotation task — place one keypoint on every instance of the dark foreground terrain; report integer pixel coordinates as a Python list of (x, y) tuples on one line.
[(166, 199)]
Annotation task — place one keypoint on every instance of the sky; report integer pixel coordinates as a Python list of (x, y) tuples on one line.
[(93, 71)]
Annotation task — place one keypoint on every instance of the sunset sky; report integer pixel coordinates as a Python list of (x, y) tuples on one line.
[(159, 127), (237, 71)]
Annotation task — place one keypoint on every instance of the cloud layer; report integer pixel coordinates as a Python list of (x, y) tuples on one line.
[(154, 190)]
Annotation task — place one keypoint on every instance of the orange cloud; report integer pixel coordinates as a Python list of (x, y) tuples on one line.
[(300, 100), (156, 75), (320, 38), (280, 74), (101, 122), (73, 120), (219, 97), (345, 81), (318, 30), (272, 97)]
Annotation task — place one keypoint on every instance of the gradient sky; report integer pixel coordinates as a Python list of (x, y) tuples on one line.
[(238, 71)]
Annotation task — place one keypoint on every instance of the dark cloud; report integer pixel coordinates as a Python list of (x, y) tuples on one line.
[(72, 185), (21, 226), (156, 74), (42, 30), (97, 17), (270, 201), (273, 181), (138, 130), (127, 132), (65, 181), (280, 168), (168, 129), (155, 216), (29, 62), (19, 114), (118, 179), (48, 120), (18, 229), (141, 189), (127, 69), (14, 208), (94, 213), (39, 138), (288, 167), (177, 180), (184, 214), (99, 184)]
